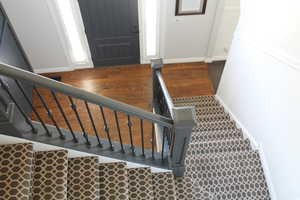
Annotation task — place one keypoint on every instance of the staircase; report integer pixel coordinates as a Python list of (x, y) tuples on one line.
[(220, 164)]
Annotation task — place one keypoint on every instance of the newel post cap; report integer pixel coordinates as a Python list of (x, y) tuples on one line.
[(157, 63), (184, 116)]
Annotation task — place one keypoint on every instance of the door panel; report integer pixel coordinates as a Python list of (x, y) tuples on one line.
[(112, 30)]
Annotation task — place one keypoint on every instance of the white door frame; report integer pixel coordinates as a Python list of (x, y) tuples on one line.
[(144, 59), (53, 9)]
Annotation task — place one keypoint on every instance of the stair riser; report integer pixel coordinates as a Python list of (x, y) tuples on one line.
[(213, 118), (195, 99), (199, 104), (207, 138), (210, 111), (218, 127)]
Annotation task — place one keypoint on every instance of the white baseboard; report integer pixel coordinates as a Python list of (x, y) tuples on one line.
[(267, 172), (255, 146), (183, 60), (195, 59), (60, 69), (215, 58)]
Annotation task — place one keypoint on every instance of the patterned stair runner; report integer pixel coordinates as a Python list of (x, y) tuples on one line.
[(220, 165), (50, 175), (113, 181), (83, 178), (16, 162), (140, 184)]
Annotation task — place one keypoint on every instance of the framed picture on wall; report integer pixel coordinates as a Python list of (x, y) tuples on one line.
[(190, 7)]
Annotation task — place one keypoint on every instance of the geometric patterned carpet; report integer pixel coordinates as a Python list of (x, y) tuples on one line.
[(220, 165)]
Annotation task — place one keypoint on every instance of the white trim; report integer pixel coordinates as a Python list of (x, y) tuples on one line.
[(215, 28), (144, 59), (184, 60), (255, 146), (141, 29), (61, 69), (267, 172), (163, 25), (62, 36), (84, 40), (215, 58), (279, 55), (53, 12), (158, 133)]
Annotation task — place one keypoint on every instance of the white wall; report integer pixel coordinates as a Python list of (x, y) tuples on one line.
[(198, 38), (261, 84), (185, 38), (38, 34)]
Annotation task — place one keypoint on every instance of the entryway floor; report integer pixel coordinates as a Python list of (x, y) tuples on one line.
[(131, 84)]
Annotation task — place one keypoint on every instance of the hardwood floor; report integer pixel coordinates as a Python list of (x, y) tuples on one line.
[(131, 84)]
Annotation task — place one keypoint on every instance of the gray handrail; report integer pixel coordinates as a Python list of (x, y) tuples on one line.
[(69, 90), (165, 91), (184, 119)]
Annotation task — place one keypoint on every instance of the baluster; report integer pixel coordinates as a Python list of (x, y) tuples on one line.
[(130, 134), (119, 131), (106, 129), (33, 108), (49, 112), (172, 142), (93, 123), (74, 107), (153, 141), (142, 137), (163, 143), (27, 120), (64, 116)]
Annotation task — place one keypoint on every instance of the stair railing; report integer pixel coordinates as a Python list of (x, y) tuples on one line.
[(100, 142), (175, 139)]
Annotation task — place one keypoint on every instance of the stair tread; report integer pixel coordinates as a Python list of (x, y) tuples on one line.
[(216, 135), (211, 126), (209, 147), (213, 117), (140, 183), (16, 170), (83, 178), (113, 181), (224, 159), (50, 175), (198, 104), (164, 186)]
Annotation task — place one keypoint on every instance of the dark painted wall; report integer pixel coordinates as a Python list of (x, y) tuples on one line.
[(215, 71), (11, 52)]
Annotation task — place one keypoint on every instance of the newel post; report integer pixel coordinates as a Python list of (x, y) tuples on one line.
[(184, 122)]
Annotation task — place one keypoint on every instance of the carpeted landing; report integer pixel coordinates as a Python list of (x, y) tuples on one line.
[(220, 165)]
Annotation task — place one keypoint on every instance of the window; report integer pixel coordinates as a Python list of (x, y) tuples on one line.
[(151, 23), (190, 7), (77, 50)]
